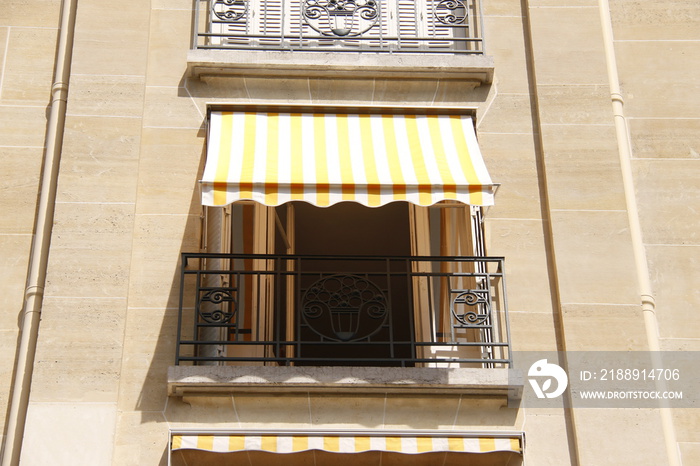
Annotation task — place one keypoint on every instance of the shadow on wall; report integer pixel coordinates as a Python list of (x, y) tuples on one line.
[(153, 331)]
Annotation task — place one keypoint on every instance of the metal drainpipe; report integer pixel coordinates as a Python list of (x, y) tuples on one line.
[(624, 147), (36, 274)]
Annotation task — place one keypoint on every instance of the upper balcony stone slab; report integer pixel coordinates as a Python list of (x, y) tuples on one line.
[(470, 67)]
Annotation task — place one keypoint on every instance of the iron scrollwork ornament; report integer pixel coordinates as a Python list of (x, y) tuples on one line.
[(217, 300), (344, 308), (479, 308), (341, 18), (451, 12), (230, 10)]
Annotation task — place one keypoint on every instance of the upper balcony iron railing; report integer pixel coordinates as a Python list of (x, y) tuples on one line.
[(413, 26), (239, 309)]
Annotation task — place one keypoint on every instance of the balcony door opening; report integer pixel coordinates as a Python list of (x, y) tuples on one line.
[(351, 304), (399, 285)]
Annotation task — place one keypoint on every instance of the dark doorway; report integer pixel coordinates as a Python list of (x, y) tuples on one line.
[(353, 305)]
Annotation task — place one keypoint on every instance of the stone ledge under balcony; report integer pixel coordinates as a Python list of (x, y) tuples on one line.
[(197, 380), (477, 67)]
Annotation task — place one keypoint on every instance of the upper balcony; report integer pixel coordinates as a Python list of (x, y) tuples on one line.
[(370, 38)]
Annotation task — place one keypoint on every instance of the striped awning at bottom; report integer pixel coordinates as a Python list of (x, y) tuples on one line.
[(344, 443)]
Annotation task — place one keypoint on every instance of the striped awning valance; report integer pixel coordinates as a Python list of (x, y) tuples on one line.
[(326, 158), (229, 443)]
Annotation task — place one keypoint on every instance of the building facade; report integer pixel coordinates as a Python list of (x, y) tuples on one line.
[(158, 308)]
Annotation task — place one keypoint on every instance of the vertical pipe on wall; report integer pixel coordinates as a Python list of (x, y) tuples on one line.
[(43, 226), (624, 147)]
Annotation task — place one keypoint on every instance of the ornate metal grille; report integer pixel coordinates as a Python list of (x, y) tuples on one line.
[(296, 310), (451, 12), (446, 26), (344, 307), (222, 307), (341, 17), (229, 10)]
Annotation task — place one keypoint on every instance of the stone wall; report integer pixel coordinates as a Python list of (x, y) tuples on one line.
[(128, 204), (656, 47), (27, 48)]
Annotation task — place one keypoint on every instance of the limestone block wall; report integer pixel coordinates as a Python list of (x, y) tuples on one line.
[(516, 227), (79, 355), (585, 220), (658, 62), (27, 48), (128, 204)]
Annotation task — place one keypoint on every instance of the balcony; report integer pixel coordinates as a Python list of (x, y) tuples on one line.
[(373, 38), (378, 311), (391, 26), (336, 310), (406, 322)]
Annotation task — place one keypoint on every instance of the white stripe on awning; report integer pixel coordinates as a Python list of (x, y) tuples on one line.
[(344, 443), (324, 159)]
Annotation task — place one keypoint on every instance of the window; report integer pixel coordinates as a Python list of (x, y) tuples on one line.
[(349, 285), (310, 274)]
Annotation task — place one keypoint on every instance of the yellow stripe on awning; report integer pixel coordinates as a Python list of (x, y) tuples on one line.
[(324, 159), (230, 443)]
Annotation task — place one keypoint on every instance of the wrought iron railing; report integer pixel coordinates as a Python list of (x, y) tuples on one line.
[(242, 309), (422, 26)]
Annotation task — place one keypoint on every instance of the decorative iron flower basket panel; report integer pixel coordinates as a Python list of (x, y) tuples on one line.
[(344, 308), (342, 18)]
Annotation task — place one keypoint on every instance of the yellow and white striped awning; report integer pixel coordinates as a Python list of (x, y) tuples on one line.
[(323, 159), (344, 443)]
